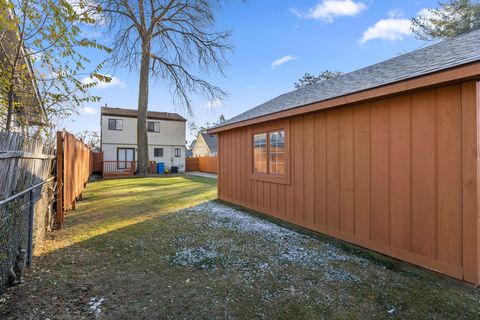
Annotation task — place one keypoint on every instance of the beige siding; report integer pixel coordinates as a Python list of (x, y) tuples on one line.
[(171, 132), (201, 148), (171, 136)]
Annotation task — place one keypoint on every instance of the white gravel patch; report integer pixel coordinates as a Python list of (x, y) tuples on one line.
[(200, 257), (285, 246)]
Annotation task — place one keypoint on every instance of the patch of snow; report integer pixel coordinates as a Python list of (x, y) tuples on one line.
[(284, 246), (200, 257), (95, 305), (392, 311), (263, 266)]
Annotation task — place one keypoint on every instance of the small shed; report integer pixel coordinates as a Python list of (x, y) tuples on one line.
[(386, 157)]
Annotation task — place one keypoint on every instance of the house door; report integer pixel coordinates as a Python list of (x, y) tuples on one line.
[(124, 155)]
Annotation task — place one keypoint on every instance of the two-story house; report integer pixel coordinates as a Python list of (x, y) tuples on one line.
[(166, 136)]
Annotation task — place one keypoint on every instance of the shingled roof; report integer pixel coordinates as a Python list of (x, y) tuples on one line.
[(210, 140), (131, 113), (444, 55)]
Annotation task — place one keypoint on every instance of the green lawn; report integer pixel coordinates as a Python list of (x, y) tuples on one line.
[(158, 248)]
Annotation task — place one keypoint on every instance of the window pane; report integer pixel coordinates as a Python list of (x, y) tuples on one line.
[(177, 152), (260, 153), (111, 124), (119, 125), (156, 126), (158, 152), (277, 152), (150, 126)]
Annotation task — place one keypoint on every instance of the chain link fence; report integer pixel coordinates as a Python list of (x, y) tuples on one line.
[(26, 197)]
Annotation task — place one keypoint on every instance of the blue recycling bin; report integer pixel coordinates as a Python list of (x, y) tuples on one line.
[(160, 167)]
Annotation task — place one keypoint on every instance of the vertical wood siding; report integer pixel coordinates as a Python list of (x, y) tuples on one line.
[(397, 175)]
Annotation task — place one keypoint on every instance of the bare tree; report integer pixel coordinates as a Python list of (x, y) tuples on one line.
[(196, 129), (90, 138), (174, 40)]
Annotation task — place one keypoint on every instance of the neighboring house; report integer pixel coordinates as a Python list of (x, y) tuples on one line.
[(205, 145), (386, 157), (166, 136)]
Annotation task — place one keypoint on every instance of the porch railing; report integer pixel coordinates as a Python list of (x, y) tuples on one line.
[(119, 168)]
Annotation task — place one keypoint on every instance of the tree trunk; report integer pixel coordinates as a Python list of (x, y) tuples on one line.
[(142, 137)]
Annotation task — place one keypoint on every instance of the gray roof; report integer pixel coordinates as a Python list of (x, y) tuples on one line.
[(132, 113), (210, 140), (444, 55), (192, 144)]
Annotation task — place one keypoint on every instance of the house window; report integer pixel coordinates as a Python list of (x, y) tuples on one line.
[(153, 126), (115, 124), (158, 152), (260, 153), (270, 154), (277, 152), (178, 152)]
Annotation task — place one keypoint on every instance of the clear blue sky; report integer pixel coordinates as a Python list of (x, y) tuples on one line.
[(276, 42)]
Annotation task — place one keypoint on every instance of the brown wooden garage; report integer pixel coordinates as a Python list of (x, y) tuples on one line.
[(385, 157)]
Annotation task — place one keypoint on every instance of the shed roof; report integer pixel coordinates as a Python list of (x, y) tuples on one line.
[(210, 140), (132, 113), (444, 55)]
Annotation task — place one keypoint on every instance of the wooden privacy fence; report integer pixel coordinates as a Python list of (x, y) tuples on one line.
[(97, 161), (74, 167), (203, 164), (192, 164)]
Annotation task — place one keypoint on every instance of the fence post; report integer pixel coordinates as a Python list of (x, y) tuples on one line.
[(31, 214), (59, 215)]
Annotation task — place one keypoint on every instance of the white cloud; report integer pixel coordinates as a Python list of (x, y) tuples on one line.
[(91, 34), (426, 13), (88, 111), (282, 60), (90, 7), (328, 10), (395, 13), (388, 29), (394, 28), (214, 104), (114, 82)]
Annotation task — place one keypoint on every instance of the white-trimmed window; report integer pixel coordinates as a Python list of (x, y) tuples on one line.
[(153, 126), (115, 124)]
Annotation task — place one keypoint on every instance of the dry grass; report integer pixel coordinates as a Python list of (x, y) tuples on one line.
[(148, 249)]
